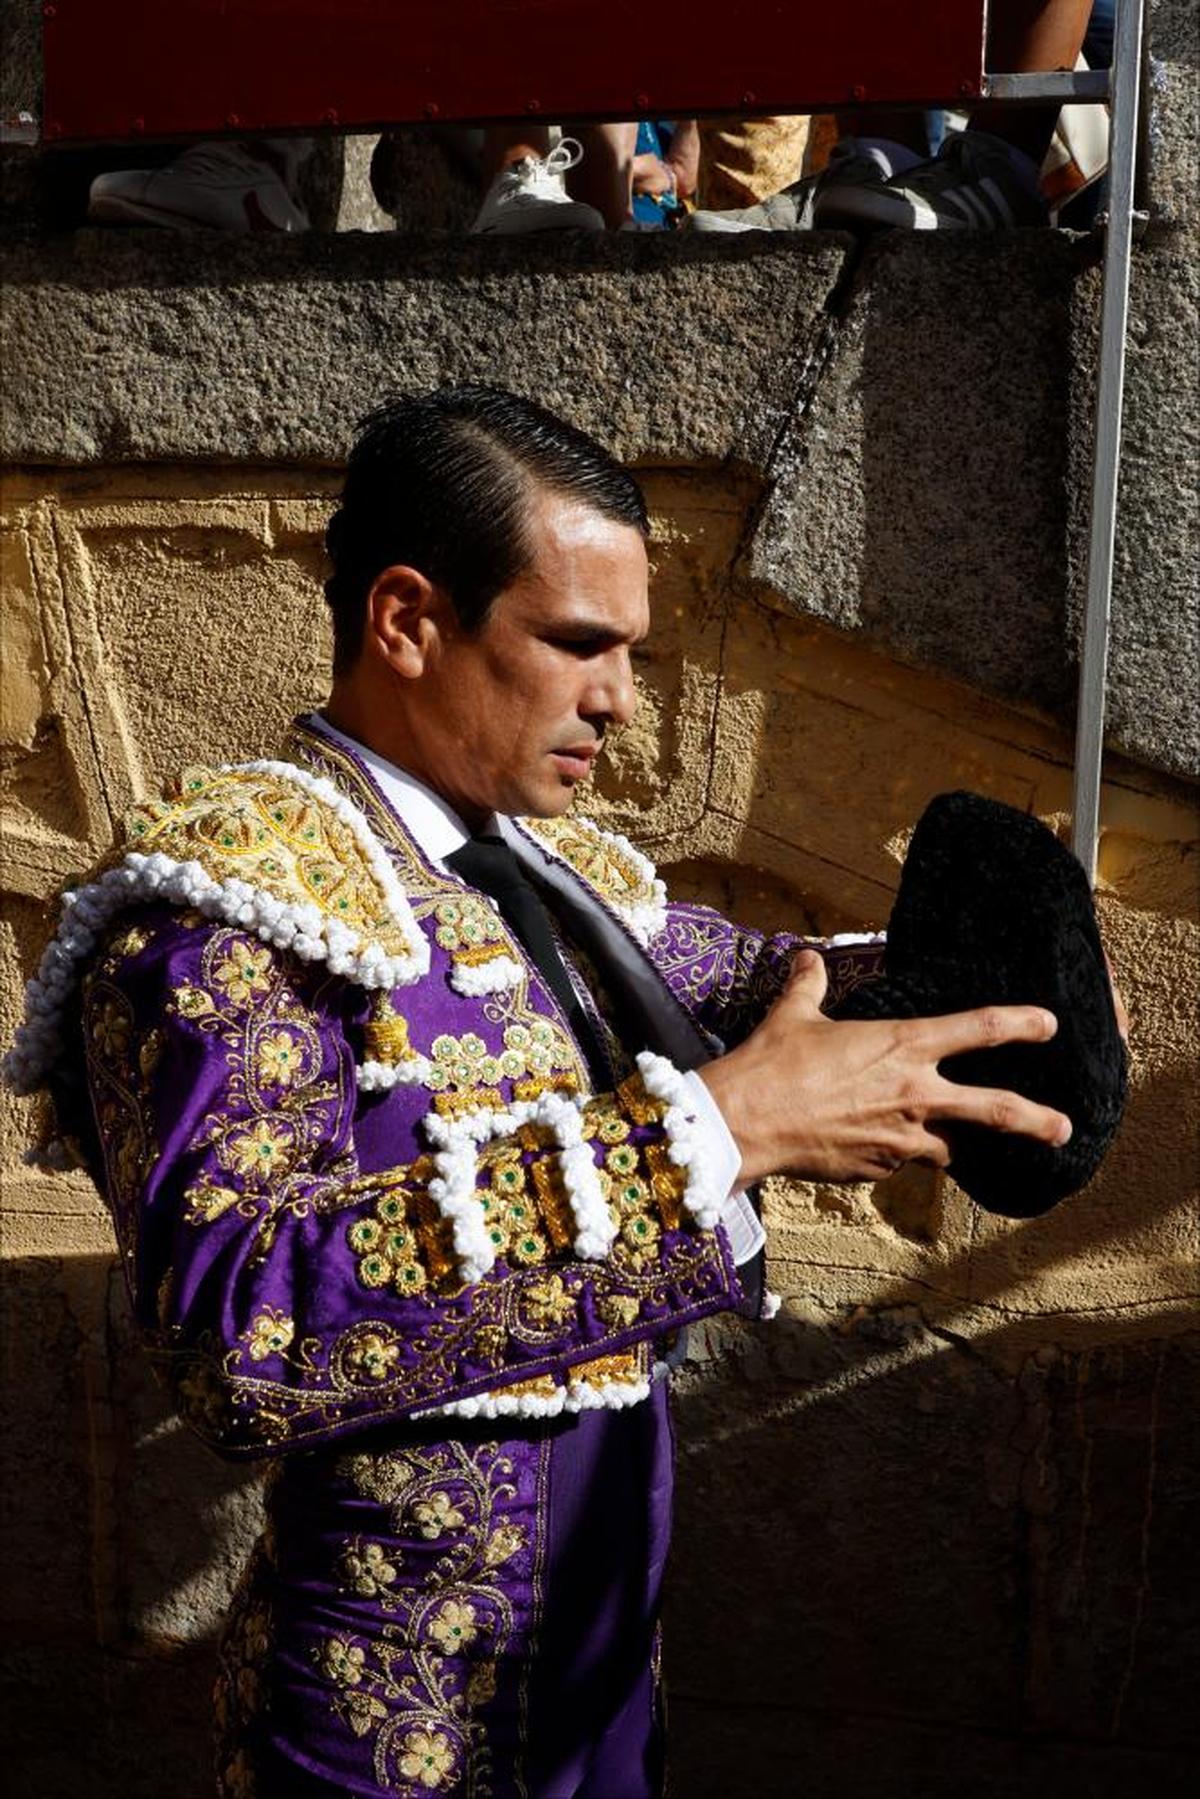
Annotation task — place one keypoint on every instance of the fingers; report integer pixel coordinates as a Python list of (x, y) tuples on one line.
[(808, 979), (1001, 1111), (984, 1029)]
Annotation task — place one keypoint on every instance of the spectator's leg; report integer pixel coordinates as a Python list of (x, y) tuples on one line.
[(604, 179), (506, 144), (1026, 36)]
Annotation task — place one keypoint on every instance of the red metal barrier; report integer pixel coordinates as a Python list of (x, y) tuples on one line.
[(120, 69)]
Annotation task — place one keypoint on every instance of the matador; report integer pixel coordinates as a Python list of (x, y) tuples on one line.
[(427, 1121)]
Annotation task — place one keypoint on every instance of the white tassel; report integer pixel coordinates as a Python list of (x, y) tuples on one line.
[(685, 1138)]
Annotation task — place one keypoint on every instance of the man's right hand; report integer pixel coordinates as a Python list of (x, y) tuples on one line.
[(851, 1100)]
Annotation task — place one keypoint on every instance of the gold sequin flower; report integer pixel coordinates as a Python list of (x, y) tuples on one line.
[(453, 1627), (110, 1030), (548, 1302), (367, 1568), (261, 1151), (427, 1758), (435, 1516), (342, 1661), (503, 1544), (246, 971), (270, 1334), (373, 1355), (279, 1059)]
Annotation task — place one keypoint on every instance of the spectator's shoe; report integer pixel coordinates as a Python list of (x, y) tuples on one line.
[(530, 195), (814, 204), (218, 185), (975, 183)]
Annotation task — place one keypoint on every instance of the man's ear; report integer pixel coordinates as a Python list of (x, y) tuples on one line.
[(403, 618)]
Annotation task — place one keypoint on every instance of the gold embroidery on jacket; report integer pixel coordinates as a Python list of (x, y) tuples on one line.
[(417, 1677), (259, 827)]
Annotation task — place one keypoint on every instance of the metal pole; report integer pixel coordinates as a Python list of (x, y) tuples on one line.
[(1106, 447)]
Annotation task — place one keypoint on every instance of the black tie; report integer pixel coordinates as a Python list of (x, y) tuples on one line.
[(486, 862)]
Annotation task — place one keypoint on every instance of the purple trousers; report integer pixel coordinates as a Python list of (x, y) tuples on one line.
[(472, 1616)]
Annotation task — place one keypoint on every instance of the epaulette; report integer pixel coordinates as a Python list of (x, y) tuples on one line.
[(264, 845)]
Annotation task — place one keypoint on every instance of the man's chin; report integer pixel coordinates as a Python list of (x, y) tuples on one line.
[(551, 799)]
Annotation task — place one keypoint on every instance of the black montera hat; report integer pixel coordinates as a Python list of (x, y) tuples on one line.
[(994, 910)]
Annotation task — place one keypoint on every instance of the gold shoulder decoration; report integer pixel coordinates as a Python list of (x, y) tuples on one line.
[(619, 875), (266, 846)]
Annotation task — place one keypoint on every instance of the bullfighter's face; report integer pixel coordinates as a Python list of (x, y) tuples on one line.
[(510, 717)]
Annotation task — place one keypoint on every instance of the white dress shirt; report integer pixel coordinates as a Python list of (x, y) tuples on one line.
[(438, 831)]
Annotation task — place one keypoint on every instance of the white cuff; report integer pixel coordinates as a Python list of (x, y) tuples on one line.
[(721, 1153)]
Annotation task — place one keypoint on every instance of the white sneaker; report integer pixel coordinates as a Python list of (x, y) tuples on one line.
[(220, 185), (530, 195)]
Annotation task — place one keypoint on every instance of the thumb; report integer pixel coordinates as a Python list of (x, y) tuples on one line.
[(808, 979)]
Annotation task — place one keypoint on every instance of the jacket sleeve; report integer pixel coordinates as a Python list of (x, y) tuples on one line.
[(287, 1296), (727, 976)]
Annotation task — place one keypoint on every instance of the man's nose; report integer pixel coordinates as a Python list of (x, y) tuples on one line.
[(616, 690)]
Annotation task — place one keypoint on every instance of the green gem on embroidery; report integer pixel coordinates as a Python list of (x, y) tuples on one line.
[(390, 1208)]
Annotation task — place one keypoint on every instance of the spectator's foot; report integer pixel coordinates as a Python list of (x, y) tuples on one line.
[(977, 182), (530, 195), (816, 203), (219, 185)]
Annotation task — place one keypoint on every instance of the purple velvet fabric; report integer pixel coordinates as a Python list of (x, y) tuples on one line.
[(438, 1607)]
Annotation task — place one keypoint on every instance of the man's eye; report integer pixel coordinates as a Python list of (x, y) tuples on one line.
[(579, 646)]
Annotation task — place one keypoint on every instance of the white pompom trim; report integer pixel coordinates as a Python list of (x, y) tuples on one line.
[(458, 1141), (843, 939), (497, 975), (301, 929), (381, 1077), (685, 1137), (644, 921), (577, 1396)]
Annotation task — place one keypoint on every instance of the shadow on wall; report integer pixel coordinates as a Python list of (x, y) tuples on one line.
[(901, 1571), (898, 1567)]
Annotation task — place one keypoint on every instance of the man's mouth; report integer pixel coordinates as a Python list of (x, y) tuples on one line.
[(575, 761)]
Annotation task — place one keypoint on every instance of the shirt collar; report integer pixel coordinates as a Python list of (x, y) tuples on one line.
[(435, 826)]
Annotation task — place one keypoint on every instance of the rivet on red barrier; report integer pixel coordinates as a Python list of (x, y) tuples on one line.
[(749, 99), (533, 106), (431, 109), (858, 91), (330, 115), (137, 126), (641, 101), (233, 120)]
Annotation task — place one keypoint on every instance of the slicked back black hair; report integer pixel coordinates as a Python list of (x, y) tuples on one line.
[(442, 482)]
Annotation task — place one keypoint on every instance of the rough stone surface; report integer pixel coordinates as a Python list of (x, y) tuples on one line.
[(912, 412), (239, 350)]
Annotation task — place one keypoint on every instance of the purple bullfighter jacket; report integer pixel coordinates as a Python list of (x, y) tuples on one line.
[(377, 1227)]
